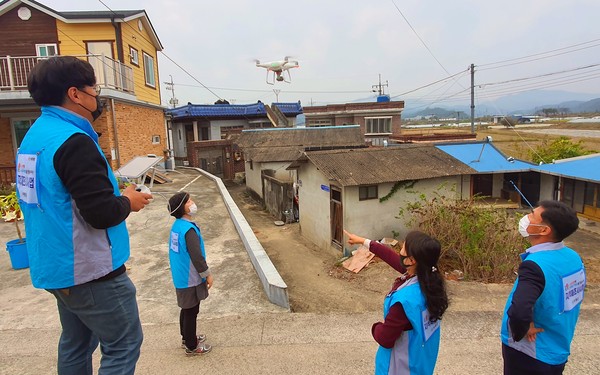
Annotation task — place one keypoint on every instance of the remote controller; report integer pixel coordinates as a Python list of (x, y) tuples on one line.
[(143, 189)]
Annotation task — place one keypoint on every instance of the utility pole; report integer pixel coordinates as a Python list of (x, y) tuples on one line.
[(379, 88), (171, 86), (276, 91), (472, 98)]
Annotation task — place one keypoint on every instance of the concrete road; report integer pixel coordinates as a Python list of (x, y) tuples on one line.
[(249, 334)]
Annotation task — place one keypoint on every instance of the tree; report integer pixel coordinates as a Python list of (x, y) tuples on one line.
[(560, 148)]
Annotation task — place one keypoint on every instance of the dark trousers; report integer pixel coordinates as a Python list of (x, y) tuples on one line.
[(518, 363), (187, 326)]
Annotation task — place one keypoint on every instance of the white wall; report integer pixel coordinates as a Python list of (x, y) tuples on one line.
[(368, 218), (254, 179), (215, 127), (546, 187), (314, 206), (179, 145), (498, 182), (375, 220)]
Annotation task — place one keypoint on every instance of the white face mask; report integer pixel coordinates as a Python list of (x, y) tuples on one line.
[(193, 209), (524, 223)]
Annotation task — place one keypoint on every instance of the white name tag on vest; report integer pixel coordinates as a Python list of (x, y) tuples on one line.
[(27, 178), (429, 327), (175, 242), (573, 286)]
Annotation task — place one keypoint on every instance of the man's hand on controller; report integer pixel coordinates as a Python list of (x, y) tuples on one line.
[(137, 200)]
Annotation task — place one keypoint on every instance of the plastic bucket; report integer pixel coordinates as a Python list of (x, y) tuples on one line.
[(18, 254)]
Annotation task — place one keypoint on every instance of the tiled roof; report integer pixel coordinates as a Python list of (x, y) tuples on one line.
[(484, 157), (287, 144), (219, 110), (232, 110), (388, 164), (582, 168), (289, 109)]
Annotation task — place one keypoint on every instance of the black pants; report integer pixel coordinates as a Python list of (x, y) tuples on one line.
[(187, 326), (518, 363)]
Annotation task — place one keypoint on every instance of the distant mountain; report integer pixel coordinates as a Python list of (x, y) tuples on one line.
[(522, 103), (435, 112)]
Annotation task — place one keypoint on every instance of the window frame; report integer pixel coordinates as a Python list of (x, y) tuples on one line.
[(46, 45), (134, 52), (367, 190), (149, 84), (387, 130)]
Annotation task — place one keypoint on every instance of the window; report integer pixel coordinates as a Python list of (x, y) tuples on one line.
[(378, 125), (317, 123), (134, 56), (20, 127), (155, 139), (149, 70), (367, 192), (45, 50)]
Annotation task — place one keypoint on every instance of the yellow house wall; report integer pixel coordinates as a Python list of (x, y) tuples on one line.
[(72, 38), (141, 41)]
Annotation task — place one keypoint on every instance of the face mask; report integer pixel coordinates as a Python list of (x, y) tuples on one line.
[(95, 114), (193, 209), (524, 223), (402, 258)]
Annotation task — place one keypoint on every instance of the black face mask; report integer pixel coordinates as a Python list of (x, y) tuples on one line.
[(402, 258), (99, 108)]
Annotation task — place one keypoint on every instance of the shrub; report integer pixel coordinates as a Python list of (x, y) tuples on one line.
[(480, 240)]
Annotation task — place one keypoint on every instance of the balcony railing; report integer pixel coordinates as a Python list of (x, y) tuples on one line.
[(109, 73)]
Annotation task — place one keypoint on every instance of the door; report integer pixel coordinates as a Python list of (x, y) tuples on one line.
[(482, 185), (211, 161), (591, 204), (105, 69), (337, 216)]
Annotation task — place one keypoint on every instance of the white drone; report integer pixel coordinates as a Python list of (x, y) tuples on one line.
[(278, 67)]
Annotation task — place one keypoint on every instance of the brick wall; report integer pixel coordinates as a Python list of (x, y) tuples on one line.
[(135, 127)]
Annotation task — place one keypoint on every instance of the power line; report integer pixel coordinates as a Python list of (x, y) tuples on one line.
[(543, 53)]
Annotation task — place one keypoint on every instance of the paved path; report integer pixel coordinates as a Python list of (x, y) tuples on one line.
[(249, 334), (566, 132)]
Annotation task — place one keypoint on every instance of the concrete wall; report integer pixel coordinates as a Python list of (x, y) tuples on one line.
[(215, 126), (375, 220), (546, 187), (368, 218), (254, 179), (498, 182), (314, 206)]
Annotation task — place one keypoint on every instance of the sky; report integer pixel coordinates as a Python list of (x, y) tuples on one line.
[(344, 45)]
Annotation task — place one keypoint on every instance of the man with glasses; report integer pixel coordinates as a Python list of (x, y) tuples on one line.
[(76, 235), (542, 310)]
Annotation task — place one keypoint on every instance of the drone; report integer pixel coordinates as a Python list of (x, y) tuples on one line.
[(278, 67)]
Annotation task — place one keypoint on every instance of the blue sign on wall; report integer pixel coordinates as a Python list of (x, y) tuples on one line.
[(324, 187)]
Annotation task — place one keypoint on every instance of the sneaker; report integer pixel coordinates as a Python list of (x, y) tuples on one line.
[(202, 348), (201, 338)]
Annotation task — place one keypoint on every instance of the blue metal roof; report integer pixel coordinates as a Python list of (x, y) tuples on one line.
[(484, 157), (232, 110), (291, 109), (581, 168)]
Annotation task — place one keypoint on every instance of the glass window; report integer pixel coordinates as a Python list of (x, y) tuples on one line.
[(134, 56), (367, 192), (149, 70), (45, 50), (21, 127), (378, 125)]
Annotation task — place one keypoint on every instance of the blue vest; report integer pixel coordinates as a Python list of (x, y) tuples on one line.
[(183, 271), (64, 250), (557, 308), (416, 351)]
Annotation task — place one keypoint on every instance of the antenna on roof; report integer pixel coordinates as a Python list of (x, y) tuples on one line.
[(487, 140), (379, 88)]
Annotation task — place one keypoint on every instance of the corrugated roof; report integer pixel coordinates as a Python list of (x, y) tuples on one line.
[(287, 144), (582, 168), (389, 164), (484, 157)]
